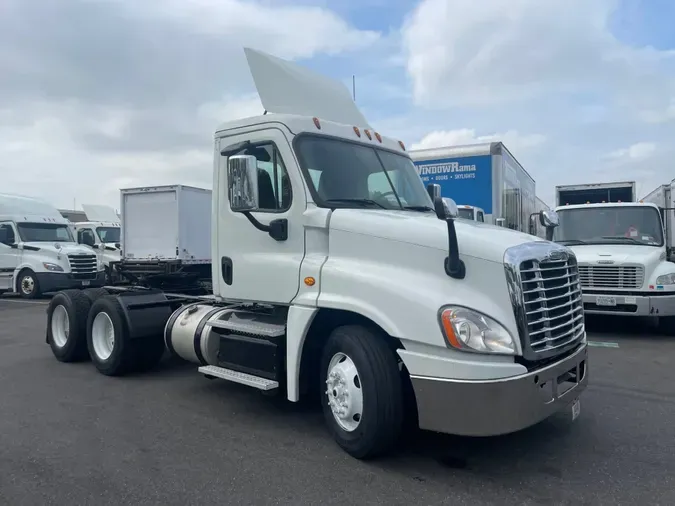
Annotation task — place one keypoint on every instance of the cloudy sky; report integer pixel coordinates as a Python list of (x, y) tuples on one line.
[(99, 95)]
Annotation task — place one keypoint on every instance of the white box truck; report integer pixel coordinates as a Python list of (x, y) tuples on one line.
[(101, 230), (38, 252), (662, 196), (166, 237), (335, 272)]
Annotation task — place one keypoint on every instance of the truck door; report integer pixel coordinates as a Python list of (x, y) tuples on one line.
[(9, 257), (249, 264)]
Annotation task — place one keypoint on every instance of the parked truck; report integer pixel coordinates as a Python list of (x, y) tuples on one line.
[(335, 272), (166, 237), (484, 175), (101, 231), (622, 258), (662, 196), (595, 193), (38, 252)]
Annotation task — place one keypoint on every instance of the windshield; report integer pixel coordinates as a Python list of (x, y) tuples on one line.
[(609, 225), (467, 214), (346, 174), (44, 232), (108, 234)]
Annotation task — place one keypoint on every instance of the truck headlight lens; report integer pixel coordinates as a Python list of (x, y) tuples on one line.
[(468, 330), (52, 267), (666, 279)]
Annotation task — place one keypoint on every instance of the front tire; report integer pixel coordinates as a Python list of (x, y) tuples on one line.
[(362, 389), (28, 285)]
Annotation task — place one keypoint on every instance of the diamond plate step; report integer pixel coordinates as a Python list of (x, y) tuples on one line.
[(239, 377)]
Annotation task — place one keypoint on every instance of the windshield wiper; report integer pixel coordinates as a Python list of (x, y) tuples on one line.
[(622, 238), (571, 241), (418, 208), (363, 202)]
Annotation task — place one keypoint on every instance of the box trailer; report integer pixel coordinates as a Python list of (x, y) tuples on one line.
[(595, 193), (166, 236), (662, 196), (483, 175)]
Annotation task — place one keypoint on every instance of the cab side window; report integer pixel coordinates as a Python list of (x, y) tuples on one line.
[(9, 232), (85, 233), (274, 185), (481, 218)]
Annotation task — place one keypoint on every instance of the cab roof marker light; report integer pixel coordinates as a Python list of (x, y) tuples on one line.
[(317, 124), (367, 132), (378, 137), (400, 143), (357, 131)]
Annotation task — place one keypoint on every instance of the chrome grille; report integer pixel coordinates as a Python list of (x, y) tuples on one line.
[(611, 276), (82, 264), (543, 281)]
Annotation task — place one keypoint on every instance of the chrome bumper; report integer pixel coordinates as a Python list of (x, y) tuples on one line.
[(494, 407), (641, 305)]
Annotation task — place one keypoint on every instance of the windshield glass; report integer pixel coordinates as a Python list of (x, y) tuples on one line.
[(608, 225), (467, 214), (44, 232), (108, 234), (346, 174)]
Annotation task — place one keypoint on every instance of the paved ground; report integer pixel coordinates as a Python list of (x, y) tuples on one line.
[(69, 435)]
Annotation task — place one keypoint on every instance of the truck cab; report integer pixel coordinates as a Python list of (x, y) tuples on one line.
[(471, 213), (101, 232), (336, 272), (38, 252), (622, 258)]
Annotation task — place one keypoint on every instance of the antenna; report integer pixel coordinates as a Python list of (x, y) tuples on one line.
[(354, 87)]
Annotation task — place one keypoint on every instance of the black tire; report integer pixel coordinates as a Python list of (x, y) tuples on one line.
[(95, 293), (123, 357), (76, 305), (27, 277), (380, 425)]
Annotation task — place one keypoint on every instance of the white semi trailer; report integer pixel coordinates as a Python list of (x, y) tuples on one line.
[(334, 271)]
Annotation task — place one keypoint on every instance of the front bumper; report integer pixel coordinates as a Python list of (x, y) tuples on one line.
[(494, 407), (55, 281), (632, 305)]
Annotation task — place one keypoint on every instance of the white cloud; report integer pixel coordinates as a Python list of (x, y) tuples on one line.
[(637, 151), (513, 139)]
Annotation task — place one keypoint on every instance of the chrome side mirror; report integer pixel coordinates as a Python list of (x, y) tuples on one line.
[(451, 210), (548, 218), (242, 181)]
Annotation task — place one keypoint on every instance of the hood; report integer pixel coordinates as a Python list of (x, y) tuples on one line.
[(475, 239), (66, 248), (616, 253)]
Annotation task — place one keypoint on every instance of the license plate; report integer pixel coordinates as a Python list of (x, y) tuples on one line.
[(606, 301), (86, 283), (576, 409)]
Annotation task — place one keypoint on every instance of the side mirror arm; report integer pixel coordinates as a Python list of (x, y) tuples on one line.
[(277, 229)]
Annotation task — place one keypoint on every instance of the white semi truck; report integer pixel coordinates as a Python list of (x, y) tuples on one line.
[(622, 257), (38, 252), (335, 272), (101, 231)]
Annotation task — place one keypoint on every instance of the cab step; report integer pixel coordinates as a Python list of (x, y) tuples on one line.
[(239, 377)]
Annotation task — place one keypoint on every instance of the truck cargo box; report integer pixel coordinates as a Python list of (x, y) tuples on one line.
[(595, 193), (166, 223)]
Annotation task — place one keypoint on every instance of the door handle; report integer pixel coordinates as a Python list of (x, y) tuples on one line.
[(226, 269)]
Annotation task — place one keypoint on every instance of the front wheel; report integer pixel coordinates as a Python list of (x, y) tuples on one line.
[(362, 392), (28, 285)]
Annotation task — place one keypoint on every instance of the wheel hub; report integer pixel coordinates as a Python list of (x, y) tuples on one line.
[(343, 389), (27, 285)]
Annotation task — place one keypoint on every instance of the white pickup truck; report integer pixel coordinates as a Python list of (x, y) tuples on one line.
[(335, 272)]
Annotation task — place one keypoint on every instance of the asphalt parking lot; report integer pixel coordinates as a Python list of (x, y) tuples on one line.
[(69, 435)]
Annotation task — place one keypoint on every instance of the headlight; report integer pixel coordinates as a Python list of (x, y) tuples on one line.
[(666, 279), (468, 330), (52, 267)]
